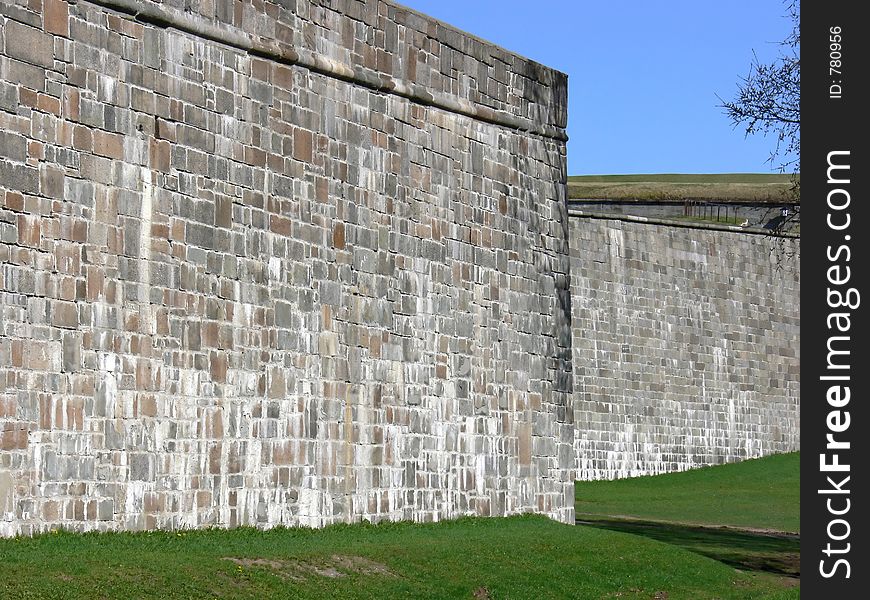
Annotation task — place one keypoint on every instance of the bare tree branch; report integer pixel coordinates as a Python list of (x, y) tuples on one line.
[(768, 103)]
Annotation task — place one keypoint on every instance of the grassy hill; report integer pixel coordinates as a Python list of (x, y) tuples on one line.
[(479, 559), (735, 187), (763, 493), (518, 557)]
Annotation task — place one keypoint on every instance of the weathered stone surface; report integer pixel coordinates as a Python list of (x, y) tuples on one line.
[(19, 177), (56, 15), (14, 146), (28, 44), (686, 347), (234, 289), (241, 291)]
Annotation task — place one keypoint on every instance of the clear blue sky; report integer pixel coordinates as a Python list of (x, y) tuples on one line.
[(643, 76)]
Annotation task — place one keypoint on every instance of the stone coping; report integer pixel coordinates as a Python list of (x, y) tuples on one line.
[(550, 122), (682, 201), (572, 212)]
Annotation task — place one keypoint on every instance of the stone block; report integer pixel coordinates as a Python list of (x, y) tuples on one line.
[(218, 366), (14, 146), (51, 181), (8, 96), (105, 509), (223, 212), (64, 314), (29, 44), (72, 352), (13, 436), (29, 230), (83, 138), (19, 178), (302, 145), (109, 145), (142, 466), (56, 17)]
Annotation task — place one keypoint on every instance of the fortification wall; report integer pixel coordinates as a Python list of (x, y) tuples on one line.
[(277, 263), (686, 346)]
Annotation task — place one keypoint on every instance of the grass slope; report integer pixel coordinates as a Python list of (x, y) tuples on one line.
[(762, 493), (685, 178), (746, 187), (519, 557)]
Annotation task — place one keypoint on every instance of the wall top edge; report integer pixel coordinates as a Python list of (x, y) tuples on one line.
[(381, 45), (683, 224), (444, 26), (765, 202)]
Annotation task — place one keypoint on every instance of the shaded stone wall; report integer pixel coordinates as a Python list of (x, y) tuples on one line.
[(686, 346), (277, 263)]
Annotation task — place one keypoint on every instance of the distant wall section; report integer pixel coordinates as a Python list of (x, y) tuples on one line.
[(686, 346)]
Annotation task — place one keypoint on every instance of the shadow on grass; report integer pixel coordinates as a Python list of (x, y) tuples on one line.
[(774, 553)]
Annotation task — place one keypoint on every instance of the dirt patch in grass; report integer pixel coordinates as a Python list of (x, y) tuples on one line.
[(335, 566), (482, 593), (787, 564), (361, 565), (256, 562)]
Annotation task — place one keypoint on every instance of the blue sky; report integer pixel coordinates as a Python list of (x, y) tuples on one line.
[(643, 76)]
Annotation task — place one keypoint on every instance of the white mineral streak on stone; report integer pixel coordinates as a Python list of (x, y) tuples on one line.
[(8, 528), (274, 270), (145, 246), (310, 502), (698, 255), (7, 502), (189, 385), (107, 401), (134, 501), (731, 421), (106, 89), (617, 239), (480, 473)]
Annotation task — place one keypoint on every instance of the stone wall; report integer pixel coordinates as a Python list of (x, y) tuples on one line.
[(277, 263), (686, 346)]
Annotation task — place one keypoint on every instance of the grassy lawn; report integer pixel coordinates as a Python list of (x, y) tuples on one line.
[(519, 557), (749, 187), (763, 493), (686, 178), (748, 551)]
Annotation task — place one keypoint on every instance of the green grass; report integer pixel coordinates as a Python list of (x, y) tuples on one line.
[(745, 550), (745, 187), (762, 493), (685, 178), (519, 557)]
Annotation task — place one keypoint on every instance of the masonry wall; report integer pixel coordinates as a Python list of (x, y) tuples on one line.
[(686, 346), (277, 263)]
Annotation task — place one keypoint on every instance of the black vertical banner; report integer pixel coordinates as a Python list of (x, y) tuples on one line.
[(835, 425)]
